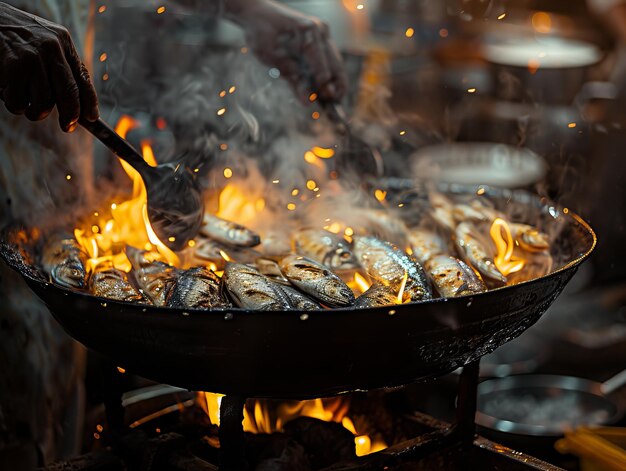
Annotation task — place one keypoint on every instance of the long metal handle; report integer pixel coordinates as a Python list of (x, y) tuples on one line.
[(118, 145)]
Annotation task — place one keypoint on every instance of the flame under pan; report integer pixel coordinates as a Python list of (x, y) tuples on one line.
[(314, 354)]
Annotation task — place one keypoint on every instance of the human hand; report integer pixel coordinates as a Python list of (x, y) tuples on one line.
[(299, 46), (40, 68)]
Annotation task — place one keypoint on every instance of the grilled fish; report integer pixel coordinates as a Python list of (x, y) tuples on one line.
[(389, 265), (270, 268), (196, 288), (249, 289), (112, 283), (154, 279), (475, 253), (299, 300), (377, 295), (529, 237), (316, 280), (228, 232), (426, 244), (325, 247), (452, 277), (64, 261)]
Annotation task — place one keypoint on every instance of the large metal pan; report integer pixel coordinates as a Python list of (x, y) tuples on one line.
[(314, 354)]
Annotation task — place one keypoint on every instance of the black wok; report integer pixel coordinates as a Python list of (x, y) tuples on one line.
[(313, 354)]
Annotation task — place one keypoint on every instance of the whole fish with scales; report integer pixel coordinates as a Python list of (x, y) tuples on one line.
[(389, 265), (452, 277), (111, 283), (155, 279), (64, 261), (324, 247), (196, 288), (378, 295), (250, 289), (316, 280), (228, 232)]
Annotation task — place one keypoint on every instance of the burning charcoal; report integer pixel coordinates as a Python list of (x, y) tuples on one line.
[(249, 289), (317, 281), (64, 261), (377, 295), (326, 248), (270, 268), (475, 253), (155, 279), (452, 277), (197, 288), (299, 300), (391, 266), (112, 283), (228, 232), (426, 244), (325, 443), (529, 238)]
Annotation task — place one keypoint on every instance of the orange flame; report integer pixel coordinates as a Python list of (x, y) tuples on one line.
[(235, 205), (360, 284), (400, 296), (127, 223), (502, 238), (264, 420)]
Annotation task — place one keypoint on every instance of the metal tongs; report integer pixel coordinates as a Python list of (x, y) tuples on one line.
[(175, 206), (354, 153)]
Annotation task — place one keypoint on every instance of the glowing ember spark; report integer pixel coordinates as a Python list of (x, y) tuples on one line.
[(312, 97), (323, 153), (571, 125), (160, 10), (291, 206), (349, 231), (380, 195), (228, 172), (311, 158), (402, 286), (315, 115), (471, 90), (103, 57), (232, 89), (310, 184), (225, 256), (102, 8), (221, 111), (501, 17), (502, 238), (409, 32)]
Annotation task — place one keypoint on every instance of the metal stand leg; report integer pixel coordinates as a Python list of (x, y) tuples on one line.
[(232, 440), (113, 386), (465, 426)]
